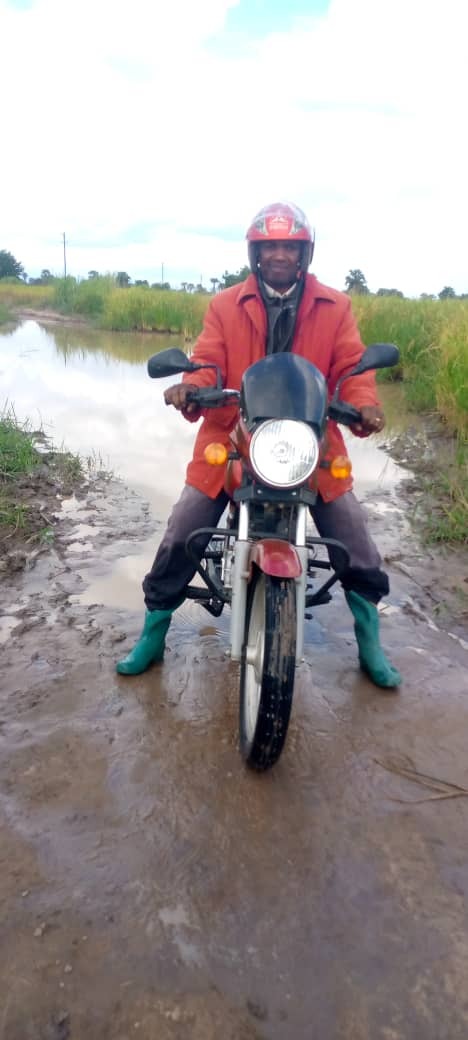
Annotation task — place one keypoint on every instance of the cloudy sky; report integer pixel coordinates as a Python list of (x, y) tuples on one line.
[(150, 133)]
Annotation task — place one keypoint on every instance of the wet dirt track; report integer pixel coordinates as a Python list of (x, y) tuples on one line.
[(151, 887)]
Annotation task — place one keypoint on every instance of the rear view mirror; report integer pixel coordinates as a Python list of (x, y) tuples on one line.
[(378, 355), (170, 363)]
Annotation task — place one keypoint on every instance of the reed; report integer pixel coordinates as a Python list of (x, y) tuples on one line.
[(433, 339), (15, 295), (153, 310), (432, 336)]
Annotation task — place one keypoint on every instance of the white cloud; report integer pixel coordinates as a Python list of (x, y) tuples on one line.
[(125, 115)]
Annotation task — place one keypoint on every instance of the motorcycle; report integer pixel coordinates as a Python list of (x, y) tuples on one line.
[(264, 563)]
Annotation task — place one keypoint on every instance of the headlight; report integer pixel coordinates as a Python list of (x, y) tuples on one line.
[(284, 452)]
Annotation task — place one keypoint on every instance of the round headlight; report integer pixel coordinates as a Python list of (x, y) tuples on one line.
[(284, 452)]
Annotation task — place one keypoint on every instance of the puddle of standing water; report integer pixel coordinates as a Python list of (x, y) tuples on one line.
[(7, 624), (91, 391)]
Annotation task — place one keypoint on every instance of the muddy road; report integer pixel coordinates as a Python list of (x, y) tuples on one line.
[(152, 887)]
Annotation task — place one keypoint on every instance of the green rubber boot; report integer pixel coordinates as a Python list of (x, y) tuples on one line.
[(371, 656), (150, 646)]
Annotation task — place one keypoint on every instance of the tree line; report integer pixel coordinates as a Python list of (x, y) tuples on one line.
[(355, 281)]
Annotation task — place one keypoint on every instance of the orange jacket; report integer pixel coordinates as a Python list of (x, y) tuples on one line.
[(234, 336)]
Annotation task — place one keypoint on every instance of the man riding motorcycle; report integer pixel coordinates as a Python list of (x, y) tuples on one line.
[(279, 307)]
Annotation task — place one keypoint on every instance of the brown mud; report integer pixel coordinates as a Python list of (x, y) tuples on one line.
[(152, 887), (49, 317)]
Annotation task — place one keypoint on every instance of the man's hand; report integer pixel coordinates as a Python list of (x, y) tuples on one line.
[(372, 420), (177, 396)]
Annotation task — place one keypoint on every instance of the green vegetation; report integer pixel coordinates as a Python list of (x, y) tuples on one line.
[(17, 451), (5, 314), (16, 295), (135, 308), (9, 267), (21, 484), (433, 340), (149, 310), (18, 457)]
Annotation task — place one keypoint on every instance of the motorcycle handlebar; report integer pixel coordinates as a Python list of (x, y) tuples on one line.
[(212, 397), (343, 413)]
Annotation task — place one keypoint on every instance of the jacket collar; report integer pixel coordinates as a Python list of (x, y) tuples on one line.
[(313, 290)]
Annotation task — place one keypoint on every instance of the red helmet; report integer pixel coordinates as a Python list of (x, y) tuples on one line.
[(277, 222)]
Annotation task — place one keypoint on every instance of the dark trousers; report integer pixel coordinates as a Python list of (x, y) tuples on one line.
[(343, 519)]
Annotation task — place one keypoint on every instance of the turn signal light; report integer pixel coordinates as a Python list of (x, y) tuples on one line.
[(340, 467), (216, 454)]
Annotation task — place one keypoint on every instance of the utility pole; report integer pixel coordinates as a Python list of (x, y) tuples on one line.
[(162, 275), (64, 258)]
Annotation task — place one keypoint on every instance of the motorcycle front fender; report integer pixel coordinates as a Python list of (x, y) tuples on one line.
[(277, 558)]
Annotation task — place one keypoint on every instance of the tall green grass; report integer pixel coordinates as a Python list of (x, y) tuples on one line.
[(17, 452), (433, 340), (18, 457), (15, 295), (150, 310), (135, 308)]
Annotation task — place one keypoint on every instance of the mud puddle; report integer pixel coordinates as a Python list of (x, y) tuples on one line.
[(150, 886)]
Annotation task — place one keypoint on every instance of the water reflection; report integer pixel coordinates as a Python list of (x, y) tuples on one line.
[(90, 390), (134, 348)]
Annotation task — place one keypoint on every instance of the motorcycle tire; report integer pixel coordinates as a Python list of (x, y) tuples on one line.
[(267, 669)]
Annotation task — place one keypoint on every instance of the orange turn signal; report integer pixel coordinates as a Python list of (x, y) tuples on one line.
[(340, 467), (216, 454)]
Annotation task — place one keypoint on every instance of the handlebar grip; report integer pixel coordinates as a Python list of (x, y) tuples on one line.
[(344, 413), (210, 397)]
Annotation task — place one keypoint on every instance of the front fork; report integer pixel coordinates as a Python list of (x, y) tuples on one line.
[(241, 573)]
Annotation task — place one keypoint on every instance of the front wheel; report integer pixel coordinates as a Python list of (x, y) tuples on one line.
[(267, 669)]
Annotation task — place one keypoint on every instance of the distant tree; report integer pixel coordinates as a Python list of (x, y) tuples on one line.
[(46, 276), (190, 286), (142, 282), (215, 283), (184, 286), (356, 283), (389, 292), (427, 296), (229, 279), (447, 293), (122, 279), (9, 267), (92, 275), (200, 288)]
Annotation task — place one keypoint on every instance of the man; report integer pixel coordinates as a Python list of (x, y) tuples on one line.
[(279, 307)]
